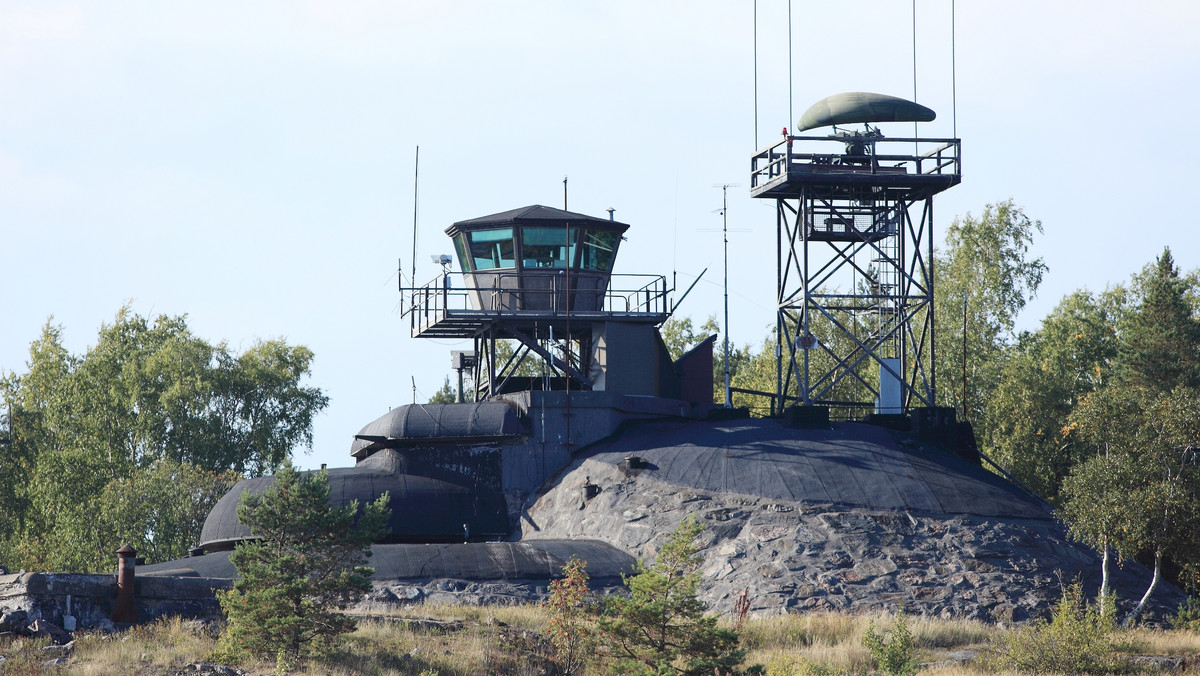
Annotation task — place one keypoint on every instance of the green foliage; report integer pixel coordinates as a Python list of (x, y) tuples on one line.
[(987, 265), (1044, 376), (1187, 618), (1160, 349), (302, 569), (896, 654), (661, 627), (445, 394), (571, 630), (152, 418), (1076, 640), (1139, 490)]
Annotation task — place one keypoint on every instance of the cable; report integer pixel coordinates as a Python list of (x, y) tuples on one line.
[(953, 78), (790, 121)]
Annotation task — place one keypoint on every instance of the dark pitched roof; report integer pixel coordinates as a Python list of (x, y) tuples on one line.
[(534, 215)]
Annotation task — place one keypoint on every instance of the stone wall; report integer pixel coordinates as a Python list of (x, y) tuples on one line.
[(54, 597)]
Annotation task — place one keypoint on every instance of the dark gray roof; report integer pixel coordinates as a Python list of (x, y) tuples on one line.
[(423, 508), (532, 560), (854, 107), (439, 423), (534, 215), (850, 465)]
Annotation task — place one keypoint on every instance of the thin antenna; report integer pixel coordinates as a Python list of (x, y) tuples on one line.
[(725, 237), (416, 178), (414, 386), (564, 193), (953, 78), (791, 120), (755, 74), (916, 133)]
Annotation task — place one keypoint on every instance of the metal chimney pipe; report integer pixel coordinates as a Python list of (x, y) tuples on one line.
[(125, 609)]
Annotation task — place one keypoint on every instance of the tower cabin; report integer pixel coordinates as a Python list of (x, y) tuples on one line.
[(543, 278)]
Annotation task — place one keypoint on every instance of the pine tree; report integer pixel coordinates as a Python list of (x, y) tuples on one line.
[(661, 628), (302, 569), (1160, 347)]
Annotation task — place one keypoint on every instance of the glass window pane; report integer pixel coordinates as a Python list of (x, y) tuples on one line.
[(547, 247), (460, 244), (492, 249), (599, 250)]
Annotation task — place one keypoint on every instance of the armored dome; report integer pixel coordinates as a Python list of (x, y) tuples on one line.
[(424, 509), (439, 424)]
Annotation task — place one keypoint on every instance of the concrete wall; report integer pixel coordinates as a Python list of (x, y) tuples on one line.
[(25, 597)]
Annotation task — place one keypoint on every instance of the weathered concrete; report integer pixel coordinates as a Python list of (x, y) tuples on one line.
[(27, 597)]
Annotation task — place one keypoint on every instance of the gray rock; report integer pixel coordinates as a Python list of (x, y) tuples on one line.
[(1156, 663), (12, 620)]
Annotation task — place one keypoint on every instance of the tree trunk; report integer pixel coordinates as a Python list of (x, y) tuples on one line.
[(1150, 590), (1104, 574)]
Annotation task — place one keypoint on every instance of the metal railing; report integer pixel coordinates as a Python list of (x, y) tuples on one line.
[(801, 154), (447, 295)]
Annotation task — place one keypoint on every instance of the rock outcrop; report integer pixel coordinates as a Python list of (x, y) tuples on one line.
[(801, 555)]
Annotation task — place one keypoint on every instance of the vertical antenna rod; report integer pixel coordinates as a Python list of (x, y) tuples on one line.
[(756, 74), (791, 120), (416, 176), (725, 238)]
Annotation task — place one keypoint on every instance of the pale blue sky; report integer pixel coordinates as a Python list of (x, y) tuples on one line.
[(251, 164)]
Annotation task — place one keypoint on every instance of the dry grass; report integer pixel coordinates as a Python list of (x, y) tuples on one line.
[(465, 640)]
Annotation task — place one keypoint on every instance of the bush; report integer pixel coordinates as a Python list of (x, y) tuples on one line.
[(895, 655), (571, 631), (1077, 639), (661, 628), (302, 569), (1188, 616)]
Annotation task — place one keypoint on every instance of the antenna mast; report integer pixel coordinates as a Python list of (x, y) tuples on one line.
[(416, 178)]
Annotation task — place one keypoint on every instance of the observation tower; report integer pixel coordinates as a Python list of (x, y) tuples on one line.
[(543, 277), (854, 273)]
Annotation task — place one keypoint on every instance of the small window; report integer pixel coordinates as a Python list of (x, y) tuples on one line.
[(460, 244), (492, 249), (547, 247), (599, 249)]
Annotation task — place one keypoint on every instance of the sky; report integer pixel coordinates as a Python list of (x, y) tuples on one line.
[(253, 166)]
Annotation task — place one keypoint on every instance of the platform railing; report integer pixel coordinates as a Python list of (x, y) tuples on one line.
[(447, 294), (918, 157)]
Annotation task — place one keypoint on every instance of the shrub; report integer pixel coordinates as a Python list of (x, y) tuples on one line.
[(302, 569), (571, 632), (1188, 616), (896, 654), (1077, 639), (661, 627)]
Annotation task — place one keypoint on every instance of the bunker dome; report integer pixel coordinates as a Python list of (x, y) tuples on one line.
[(425, 508)]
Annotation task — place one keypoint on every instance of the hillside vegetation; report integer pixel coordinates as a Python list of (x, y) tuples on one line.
[(514, 640)]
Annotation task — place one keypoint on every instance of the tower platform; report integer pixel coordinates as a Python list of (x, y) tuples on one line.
[(447, 308), (844, 165)]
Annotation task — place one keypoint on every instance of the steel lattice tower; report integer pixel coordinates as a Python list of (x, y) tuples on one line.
[(854, 280)]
